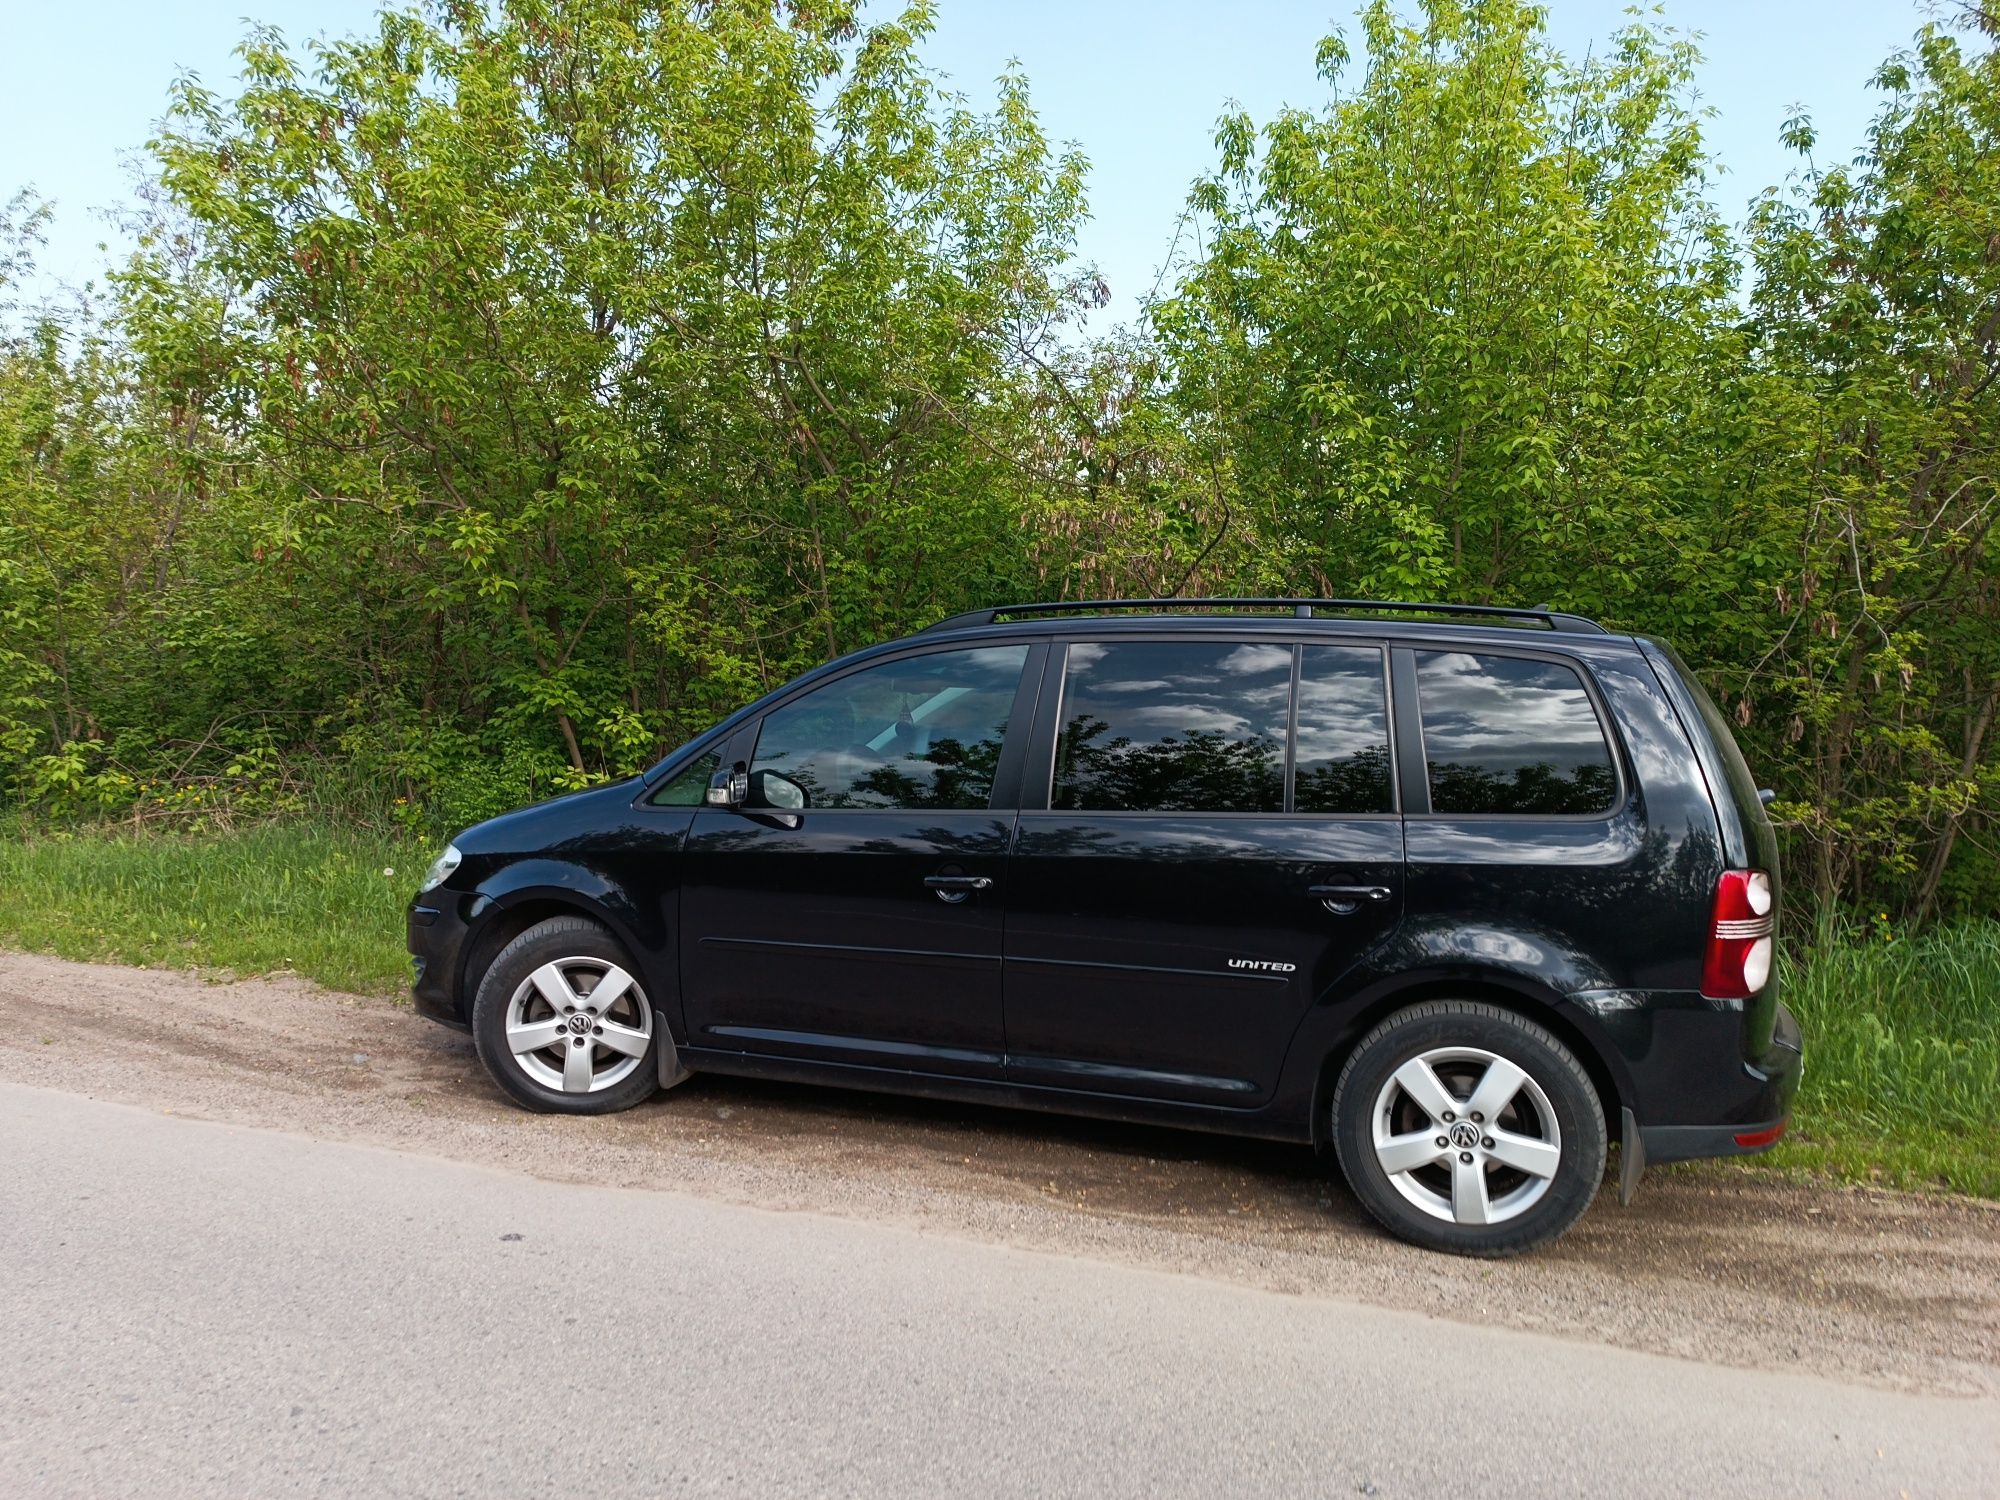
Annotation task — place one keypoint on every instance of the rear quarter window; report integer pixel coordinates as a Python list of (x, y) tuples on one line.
[(1511, 735)]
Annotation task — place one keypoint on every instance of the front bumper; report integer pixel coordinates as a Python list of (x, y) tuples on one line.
[(1758, 1117), (437, 935)]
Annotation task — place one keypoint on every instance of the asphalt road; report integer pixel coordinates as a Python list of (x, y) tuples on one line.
[(194, 1308)]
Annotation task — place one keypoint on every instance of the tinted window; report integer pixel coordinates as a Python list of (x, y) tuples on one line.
[(1342, 760), (923, 731), (1506, 735), (685, 788), (1159, 726)]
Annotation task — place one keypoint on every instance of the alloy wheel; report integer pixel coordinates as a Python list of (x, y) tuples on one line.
[(579, 1025), (1466, 1136)]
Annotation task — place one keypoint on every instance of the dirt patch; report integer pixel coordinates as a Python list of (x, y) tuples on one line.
[(1712, 1262)]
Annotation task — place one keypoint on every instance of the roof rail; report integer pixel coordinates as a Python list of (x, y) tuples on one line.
[(1302, 608)]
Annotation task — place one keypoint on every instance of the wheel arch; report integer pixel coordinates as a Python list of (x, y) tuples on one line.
[(501, 916), (1567, 1023)]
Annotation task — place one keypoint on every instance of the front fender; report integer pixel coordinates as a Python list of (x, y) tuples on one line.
[(543, 883)]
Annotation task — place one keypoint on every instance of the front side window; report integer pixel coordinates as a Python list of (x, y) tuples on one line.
[(918, 732), (1504, 734), (1169, 726), (685, 787), (1341, 764)]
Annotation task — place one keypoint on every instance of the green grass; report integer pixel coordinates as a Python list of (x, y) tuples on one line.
[(278, 898), (1902, 1082)]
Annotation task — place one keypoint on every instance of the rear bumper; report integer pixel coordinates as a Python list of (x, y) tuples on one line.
[(1759, 1115), (437, 935)]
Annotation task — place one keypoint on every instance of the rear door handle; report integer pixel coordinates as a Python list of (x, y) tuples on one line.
[(1344, 900), (955, 888)]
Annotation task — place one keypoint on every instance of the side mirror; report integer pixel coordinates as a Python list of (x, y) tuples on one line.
[(775, 789), (729, 788)]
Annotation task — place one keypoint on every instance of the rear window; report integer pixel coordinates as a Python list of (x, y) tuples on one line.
[(1506, 734), (1172, 726)]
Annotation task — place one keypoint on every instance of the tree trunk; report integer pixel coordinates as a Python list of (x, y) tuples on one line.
[(542, 666), (1968, 762)]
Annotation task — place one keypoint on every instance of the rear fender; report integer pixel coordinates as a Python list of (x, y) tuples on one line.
[(1527, 975)]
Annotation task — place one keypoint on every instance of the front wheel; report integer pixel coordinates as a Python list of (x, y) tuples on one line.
[(1465, 1127), (562, 1024)]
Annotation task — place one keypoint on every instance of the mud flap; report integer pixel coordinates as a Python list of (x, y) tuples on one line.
[(671, 1071), (1631, 1156)]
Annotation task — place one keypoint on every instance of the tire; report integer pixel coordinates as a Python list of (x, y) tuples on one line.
[(1506, 1182), (597, 1059)]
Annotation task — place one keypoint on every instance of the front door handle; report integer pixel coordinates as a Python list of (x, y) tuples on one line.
[(1345, 900), (955, 888)]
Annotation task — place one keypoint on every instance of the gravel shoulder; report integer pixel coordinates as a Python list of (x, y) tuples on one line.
[(1711, 1263)]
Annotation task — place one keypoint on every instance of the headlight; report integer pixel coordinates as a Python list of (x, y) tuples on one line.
[(441, 868)]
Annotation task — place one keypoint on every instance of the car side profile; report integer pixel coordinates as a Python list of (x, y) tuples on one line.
[(1454, 893)]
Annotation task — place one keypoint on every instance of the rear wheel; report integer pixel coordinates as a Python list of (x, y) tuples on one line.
[(1465, 1127), (562, 1023)]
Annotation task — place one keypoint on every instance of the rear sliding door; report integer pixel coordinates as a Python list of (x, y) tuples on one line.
[(1190, 869)]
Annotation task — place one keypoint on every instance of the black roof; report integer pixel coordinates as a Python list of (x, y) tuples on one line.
[(1342, 609)]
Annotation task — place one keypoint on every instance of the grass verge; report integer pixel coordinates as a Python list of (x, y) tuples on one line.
[(320, 901), (1902, 1082)]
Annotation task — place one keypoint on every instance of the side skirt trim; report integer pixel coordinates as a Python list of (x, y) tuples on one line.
[(1260, 1122)]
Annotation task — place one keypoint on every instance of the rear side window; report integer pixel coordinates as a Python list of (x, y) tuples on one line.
[(1171, 726), (1503, 734), (1342, 760)]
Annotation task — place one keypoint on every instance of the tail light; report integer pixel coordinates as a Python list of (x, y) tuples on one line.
[(1739, 942)]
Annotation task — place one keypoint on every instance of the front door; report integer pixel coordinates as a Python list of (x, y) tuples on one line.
[(1198, 873), (851, 912)]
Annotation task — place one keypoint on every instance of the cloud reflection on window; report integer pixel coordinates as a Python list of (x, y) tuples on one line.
[(1343, 746), (1507, 734), (1160, 726)]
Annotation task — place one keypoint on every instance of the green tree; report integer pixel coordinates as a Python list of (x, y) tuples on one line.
[(503, 393), (1472, 332), (1865, 646), (605, 361), (1451, 331)]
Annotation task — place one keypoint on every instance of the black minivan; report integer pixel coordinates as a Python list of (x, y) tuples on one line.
[(1454, 891)]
